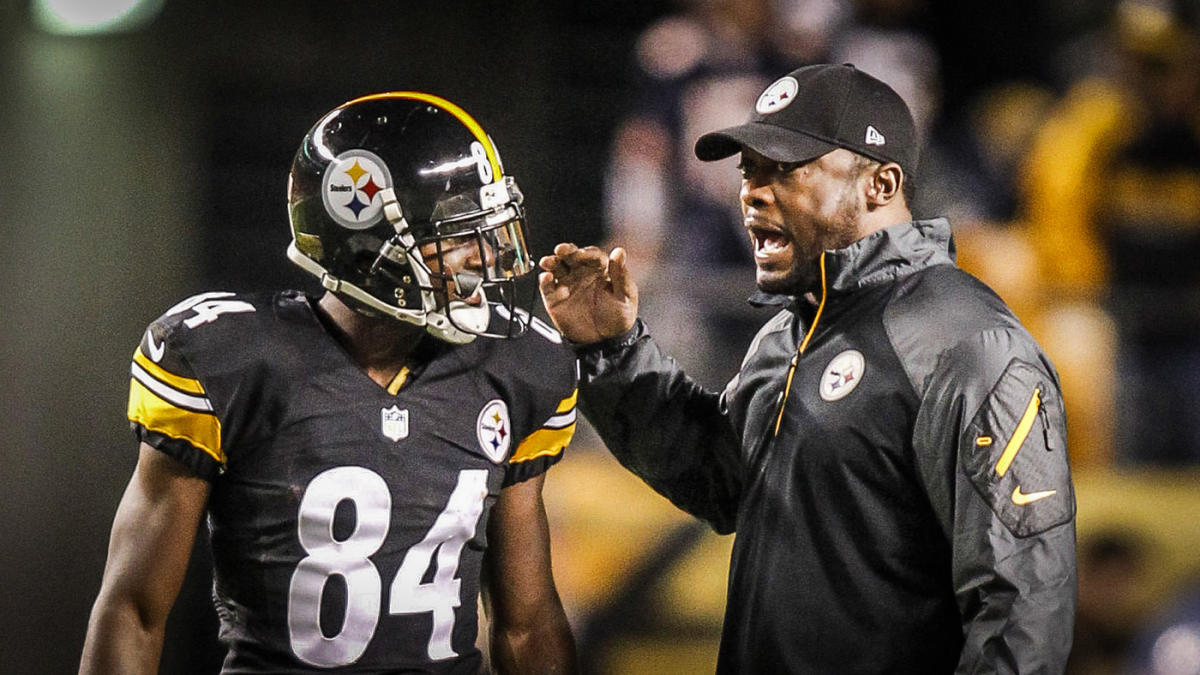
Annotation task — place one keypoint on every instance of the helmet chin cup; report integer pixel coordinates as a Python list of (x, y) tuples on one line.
[(460, 322)]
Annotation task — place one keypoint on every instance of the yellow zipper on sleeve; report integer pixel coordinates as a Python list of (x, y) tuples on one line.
[(1022, 432)]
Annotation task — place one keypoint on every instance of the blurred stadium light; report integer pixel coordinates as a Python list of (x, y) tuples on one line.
[(93, 17)]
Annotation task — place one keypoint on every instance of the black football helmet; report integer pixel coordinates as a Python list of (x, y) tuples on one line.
[(389, 194)]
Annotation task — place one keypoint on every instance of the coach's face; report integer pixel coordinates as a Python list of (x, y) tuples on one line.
[(793, 212)]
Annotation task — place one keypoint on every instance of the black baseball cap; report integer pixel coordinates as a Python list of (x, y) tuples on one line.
[(816, 109)]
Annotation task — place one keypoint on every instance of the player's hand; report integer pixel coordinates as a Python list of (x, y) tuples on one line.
[(588, 294)]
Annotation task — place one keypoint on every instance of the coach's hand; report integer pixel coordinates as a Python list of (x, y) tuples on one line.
[(588, 294)]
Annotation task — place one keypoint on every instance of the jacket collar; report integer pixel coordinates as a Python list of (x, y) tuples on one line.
[(879, 257)]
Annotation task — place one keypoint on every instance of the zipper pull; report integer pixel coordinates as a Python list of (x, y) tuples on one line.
[(783, 395), (1045, 424)]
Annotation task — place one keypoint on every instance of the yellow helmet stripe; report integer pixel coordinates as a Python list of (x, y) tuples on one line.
[(451, 108)]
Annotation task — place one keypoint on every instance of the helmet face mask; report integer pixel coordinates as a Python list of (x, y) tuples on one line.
[(399, 205)]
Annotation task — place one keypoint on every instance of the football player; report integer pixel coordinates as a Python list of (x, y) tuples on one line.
[(369, 460)]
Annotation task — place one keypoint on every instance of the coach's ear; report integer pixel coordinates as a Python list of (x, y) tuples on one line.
[(885, 185)]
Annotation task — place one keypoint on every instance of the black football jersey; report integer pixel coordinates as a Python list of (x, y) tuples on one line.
[(347, 519)]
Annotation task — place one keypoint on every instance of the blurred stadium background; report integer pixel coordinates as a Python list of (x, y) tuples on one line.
[(147, 153)]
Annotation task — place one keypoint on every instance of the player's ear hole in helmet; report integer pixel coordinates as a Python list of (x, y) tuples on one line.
[(399, 204)]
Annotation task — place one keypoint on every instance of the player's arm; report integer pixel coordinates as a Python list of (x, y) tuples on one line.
[(1002, 487), (529, 629), (151, 542)]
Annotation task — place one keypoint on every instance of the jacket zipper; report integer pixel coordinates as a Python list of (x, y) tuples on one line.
[(1045, 425), (1022, 432), (787, 387)]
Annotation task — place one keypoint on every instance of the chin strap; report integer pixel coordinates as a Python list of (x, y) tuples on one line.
[(457, 325)]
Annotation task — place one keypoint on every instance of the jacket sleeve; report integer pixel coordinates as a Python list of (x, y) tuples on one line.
[(663, 426), (990, 443)]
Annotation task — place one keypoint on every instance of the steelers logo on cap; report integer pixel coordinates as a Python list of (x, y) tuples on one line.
[(350, 188), (778, 96)]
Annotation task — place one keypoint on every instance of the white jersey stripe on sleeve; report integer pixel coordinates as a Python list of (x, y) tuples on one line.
[(170, 394), (560, 421)]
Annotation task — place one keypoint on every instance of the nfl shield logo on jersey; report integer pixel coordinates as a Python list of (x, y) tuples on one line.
[(493, 430), (395, 423)]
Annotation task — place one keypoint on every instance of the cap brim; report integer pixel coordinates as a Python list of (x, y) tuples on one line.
[(768, 140)]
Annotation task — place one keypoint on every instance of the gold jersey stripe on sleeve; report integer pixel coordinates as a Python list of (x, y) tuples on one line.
[(180, 399), (201, 429), (541, 443), (564, 414), (556, 433), (183, 384), (568, 403)]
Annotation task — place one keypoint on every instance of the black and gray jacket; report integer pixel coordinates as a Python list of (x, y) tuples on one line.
[(892, 458)]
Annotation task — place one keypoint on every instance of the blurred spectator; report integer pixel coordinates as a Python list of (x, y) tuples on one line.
[(1171, 646), (1113, 183), (884, 41), (1111, 567), (971, 164), (880, 43)]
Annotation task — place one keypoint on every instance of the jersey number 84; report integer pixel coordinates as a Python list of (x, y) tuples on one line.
[(349, 558)]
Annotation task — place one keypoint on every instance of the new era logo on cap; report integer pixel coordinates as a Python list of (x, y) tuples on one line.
[(817, 109)]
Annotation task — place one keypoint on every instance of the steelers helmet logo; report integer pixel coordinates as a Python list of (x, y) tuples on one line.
[(494, 430), (842, 375), (350, 188), (778, 96)]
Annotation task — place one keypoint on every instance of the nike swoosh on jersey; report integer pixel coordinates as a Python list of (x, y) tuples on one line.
[(157, 349), (1021, 499)]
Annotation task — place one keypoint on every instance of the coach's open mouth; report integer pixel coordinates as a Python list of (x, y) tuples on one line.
[(770, 243)]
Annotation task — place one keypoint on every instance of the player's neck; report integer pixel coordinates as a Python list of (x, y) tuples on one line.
[(380, 345)]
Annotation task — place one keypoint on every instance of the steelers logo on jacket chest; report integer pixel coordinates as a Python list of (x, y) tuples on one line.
[(842, 375)]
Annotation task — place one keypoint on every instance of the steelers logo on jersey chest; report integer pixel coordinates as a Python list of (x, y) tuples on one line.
[(842, 375), (494, 430)]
